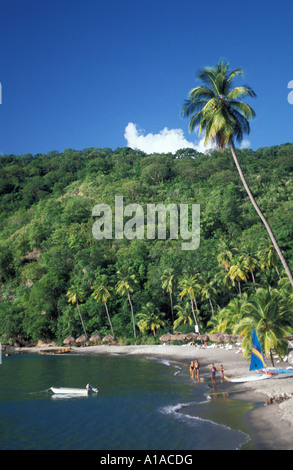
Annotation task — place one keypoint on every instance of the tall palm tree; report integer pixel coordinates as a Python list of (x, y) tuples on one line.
[(124, 285), (183, 315), (238, 271), (208, 291), (101, 293), (75, 295), (251, 263), (218, 111), (272, 320), (268, 257), (167, 285), (190, 287), (229, 316), (150, 319)]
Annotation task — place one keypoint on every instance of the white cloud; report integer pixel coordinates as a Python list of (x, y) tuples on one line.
[(245, 144), (167, 140)]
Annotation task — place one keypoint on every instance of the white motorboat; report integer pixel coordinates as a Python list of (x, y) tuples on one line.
[(73, 391)]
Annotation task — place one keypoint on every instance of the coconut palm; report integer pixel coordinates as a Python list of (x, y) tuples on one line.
[(75, 295), (101, 293), (228, 317), (218, 111), (124, 285), (190, 287), (226, 254), (268, 257), (272, 320), (250, 263), (167, 285), (184, 315), (208, 291), (238, 271), (150, 319)]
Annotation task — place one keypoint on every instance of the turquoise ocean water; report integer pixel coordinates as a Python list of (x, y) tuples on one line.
[(139, 406)]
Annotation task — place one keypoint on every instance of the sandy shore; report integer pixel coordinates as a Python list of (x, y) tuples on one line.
[(273, 423)]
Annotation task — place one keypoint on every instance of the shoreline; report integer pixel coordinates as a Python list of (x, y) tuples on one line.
[(272, 424)]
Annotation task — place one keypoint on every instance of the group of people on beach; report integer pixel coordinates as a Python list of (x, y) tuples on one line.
[(194, 369)]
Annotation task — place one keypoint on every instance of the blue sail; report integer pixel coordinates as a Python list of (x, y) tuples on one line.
[(257, 358)]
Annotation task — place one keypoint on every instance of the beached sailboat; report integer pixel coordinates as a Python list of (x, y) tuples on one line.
[(257, 363)]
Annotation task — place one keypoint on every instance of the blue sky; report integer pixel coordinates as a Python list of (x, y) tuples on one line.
[(79, 74)]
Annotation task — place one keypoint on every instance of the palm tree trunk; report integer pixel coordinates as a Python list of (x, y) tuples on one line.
[(212, 307), (109, 319), (171, 303), (262, 217), (194, 316), (85, 333), (272, 359), (131, 306), (239, 286)]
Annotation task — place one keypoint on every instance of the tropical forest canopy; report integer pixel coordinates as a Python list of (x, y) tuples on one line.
[(54, 273)]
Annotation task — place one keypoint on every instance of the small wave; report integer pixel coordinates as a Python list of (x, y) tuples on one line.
[(174, 411), (165, 362)]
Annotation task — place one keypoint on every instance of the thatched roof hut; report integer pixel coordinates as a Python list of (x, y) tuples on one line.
[(108, 339), (69, 340), (165, 338), (81, 339), (95, 338), (217, 337)]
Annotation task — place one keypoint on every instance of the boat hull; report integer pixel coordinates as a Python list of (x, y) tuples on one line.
[(69, 391), (251, 378)]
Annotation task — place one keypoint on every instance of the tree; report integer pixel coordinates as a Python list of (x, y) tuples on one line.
[(250, 263), (208, 291), (125, 284), (101, 293), (190, 286), (183, 315), (229, 316), (268, 257), (167, 285), (272, 320), (75, 295), (215, 107), (151, 319), (237, 272)]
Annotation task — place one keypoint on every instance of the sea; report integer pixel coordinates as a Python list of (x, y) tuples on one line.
[(142, 404)]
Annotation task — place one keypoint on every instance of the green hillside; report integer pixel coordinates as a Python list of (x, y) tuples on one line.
[(48, 249)]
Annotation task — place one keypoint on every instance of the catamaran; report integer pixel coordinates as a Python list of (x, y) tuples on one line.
[(257, 363)]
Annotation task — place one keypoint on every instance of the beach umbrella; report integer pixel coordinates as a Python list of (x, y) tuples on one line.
[(203, 337), (217, 337), (192, 336), (95, 338), (81, 339), (178, 336), (69, 340), (166, 337), (108, 339)]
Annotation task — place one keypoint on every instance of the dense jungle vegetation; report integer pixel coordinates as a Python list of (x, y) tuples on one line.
[(57, 280)]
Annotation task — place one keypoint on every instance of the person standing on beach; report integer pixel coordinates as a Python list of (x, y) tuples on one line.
[(191, 370), (196, 369), (213, 373)]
